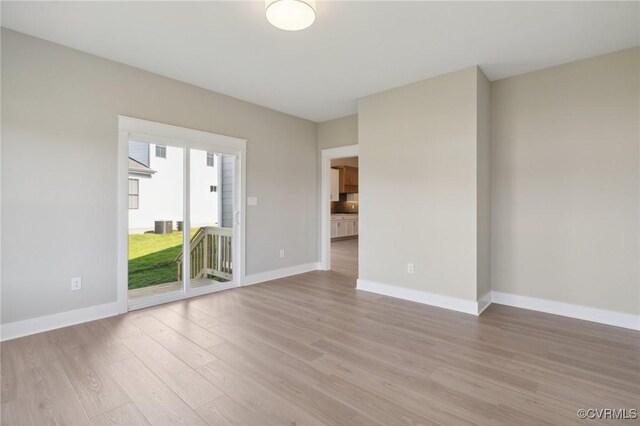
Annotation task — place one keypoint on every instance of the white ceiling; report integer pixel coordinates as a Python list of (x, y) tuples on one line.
[(354, 48)]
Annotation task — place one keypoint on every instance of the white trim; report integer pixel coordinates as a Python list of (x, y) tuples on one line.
[(13, 330), (175, 134), (484, 302), (618, 319), (446, 302), (326, 155), (122, 243), (149, 131), (586, 313), (280, 273)]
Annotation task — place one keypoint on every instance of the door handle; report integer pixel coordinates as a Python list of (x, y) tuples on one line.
[(237, 218)]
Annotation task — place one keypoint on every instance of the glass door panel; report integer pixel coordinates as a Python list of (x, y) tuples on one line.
[(156, 200), (211, 207)]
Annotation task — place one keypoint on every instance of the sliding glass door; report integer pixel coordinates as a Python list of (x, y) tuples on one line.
[(183, 217)]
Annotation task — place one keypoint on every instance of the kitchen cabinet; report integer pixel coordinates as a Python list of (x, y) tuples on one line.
[(348, 179), (344, 225), (335, 185)]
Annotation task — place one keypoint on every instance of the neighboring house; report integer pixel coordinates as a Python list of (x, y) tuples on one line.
[(156, 186)]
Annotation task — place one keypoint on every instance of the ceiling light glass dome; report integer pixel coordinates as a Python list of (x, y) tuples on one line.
[(291, 15)]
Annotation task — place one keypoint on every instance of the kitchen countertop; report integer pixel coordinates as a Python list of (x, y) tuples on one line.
[(343, 214)]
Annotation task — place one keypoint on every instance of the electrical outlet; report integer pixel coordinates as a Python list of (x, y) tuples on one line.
[(410, 268), (76, 284), (281, 252)]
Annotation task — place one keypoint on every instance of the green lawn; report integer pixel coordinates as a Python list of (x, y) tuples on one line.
[(152, 258)]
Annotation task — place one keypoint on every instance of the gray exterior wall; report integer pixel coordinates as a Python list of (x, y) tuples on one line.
[(226, 186)]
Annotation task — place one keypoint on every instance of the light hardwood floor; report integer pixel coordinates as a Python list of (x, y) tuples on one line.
[(312, 350)]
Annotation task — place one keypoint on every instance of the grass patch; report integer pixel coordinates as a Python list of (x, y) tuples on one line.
[(152, 258)]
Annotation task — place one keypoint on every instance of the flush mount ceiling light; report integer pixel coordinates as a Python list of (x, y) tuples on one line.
[(291, 15)]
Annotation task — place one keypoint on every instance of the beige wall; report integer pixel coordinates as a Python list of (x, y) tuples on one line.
[(418, 194), (339, 132), (59, 146), (565, 183), (483, 196)]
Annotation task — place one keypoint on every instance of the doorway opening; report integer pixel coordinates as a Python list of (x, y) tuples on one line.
[(340, 209), (182, 221), (344, 207)]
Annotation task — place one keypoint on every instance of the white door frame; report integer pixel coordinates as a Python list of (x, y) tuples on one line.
[(153, 132), (326, 155)]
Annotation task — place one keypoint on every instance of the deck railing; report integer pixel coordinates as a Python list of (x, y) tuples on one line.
[(211, 254)]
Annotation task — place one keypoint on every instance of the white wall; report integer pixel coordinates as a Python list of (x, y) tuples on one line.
[(565, 183), (59, 122), (418, 185)]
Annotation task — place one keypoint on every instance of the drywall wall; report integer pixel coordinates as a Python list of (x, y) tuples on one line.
[(418, 154), (565, 183), (483, 197), (59, 147), (339, 132)]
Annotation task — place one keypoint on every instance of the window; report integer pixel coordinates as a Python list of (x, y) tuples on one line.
[(210, 156), (134, 193), (161, 151)]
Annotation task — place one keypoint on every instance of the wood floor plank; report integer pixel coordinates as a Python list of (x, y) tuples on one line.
[(242, 388), (207, 320), (149, 324), (93, 385), (45, 396), (187, 328), (121, 326), (184, 349), (277, 340), (125, 415), (525, 405), (9, 370), (182, 379), (435, 409), (16, 412), (248, 316), (103, 345), (204, 310), (155, 400), (403, 377), (293, 387), (226, 411)]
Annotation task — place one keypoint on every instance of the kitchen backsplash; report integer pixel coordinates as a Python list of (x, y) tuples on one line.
[(344, 206)]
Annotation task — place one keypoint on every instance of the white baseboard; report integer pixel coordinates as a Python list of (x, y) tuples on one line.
[(484, 302), (279, 273), (587, 313), (446, 302), (13, 330)]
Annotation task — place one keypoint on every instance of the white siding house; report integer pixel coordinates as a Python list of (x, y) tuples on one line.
[(156, 186)]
